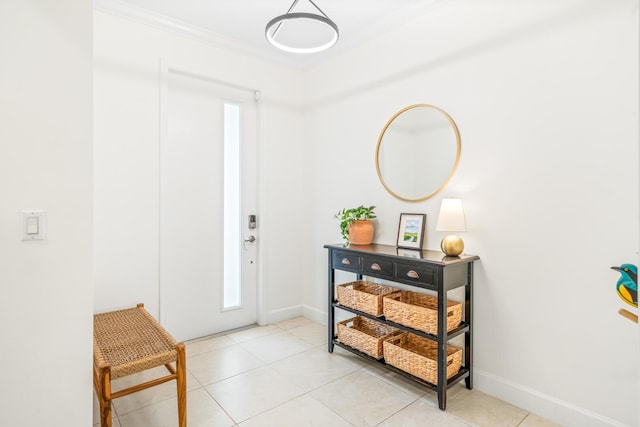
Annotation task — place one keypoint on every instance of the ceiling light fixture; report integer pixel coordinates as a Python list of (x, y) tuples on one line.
[(275, 25)]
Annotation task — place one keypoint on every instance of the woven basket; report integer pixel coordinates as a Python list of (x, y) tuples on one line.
[(419, 356), (365, 335), (420, 311), (364, 296)]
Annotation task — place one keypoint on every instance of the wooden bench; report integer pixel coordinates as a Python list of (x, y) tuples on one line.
[(129, 341)]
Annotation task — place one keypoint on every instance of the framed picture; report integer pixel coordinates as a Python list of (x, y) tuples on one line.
[(411, 230)]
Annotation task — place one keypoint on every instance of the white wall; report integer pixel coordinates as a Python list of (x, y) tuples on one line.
[(45, 163), (127, 55), (545, 95)]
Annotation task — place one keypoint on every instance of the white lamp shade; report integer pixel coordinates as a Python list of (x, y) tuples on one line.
[(451, 217)]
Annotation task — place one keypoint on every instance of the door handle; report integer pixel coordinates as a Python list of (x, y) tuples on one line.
[(250, 239)]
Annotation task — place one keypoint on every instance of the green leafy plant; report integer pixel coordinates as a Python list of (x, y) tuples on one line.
[(347, 216)]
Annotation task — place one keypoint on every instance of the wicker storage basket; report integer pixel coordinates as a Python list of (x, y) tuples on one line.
[(420, 311), (365, 335), (364, 296), (419, 356)]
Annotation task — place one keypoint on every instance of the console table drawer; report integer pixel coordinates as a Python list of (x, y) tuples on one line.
[(413, 274), (346, 261), (377, 267)]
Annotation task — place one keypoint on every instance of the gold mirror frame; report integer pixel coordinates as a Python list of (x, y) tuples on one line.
[(438, 187)]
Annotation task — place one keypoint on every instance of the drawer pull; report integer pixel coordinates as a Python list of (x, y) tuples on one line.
[(346, 261), (412, 274), (375, 266)]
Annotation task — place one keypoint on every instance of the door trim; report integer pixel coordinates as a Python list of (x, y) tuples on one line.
[(164, 69)]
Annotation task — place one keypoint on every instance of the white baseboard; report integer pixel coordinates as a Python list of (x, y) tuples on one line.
[(311, 313), (282, 314), (556, 410)]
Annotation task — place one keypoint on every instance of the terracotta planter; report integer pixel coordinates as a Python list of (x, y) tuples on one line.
[(361, 232)]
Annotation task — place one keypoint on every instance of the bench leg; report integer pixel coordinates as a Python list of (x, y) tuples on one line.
[(102, 384), (181, 382), (105, 413)]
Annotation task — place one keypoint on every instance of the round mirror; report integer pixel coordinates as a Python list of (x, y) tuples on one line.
[(418, 152)]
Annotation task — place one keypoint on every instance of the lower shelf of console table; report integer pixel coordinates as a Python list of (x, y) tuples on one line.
[(463, 373), (460, 329)]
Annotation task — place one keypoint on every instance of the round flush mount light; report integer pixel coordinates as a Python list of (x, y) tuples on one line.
[(313, 32)]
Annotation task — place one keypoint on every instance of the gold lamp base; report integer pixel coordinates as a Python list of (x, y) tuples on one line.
[(452, 245)]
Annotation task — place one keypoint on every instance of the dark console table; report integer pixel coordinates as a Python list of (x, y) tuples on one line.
[(431, 271)]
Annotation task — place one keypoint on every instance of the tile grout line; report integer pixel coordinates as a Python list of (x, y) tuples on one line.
[(269, 364), (221, 407)]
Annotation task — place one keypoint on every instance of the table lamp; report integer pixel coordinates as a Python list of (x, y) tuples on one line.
[(451, 218)]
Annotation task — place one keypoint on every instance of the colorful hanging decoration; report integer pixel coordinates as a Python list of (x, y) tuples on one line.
[(627, 288)]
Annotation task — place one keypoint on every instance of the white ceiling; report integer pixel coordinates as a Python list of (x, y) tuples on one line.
[(240, 24)]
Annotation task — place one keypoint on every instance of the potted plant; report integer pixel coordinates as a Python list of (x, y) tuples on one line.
[(356, 225)]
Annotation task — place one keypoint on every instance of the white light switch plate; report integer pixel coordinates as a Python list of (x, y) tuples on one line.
[(32, 225)]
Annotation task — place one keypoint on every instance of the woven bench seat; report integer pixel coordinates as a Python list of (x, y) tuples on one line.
[(129, 341)]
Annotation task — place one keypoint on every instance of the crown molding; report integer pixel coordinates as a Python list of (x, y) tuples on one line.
[(165, 23), (356, 37)]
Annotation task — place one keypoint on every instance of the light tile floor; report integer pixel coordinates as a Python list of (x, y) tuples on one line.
[(282, 376)]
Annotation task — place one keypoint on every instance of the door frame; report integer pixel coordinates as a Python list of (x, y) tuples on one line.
[(164, 69)]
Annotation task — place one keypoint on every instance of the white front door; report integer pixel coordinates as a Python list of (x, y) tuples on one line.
[(208, 263)]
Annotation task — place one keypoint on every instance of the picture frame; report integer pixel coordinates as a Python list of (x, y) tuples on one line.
[(411, 230)]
